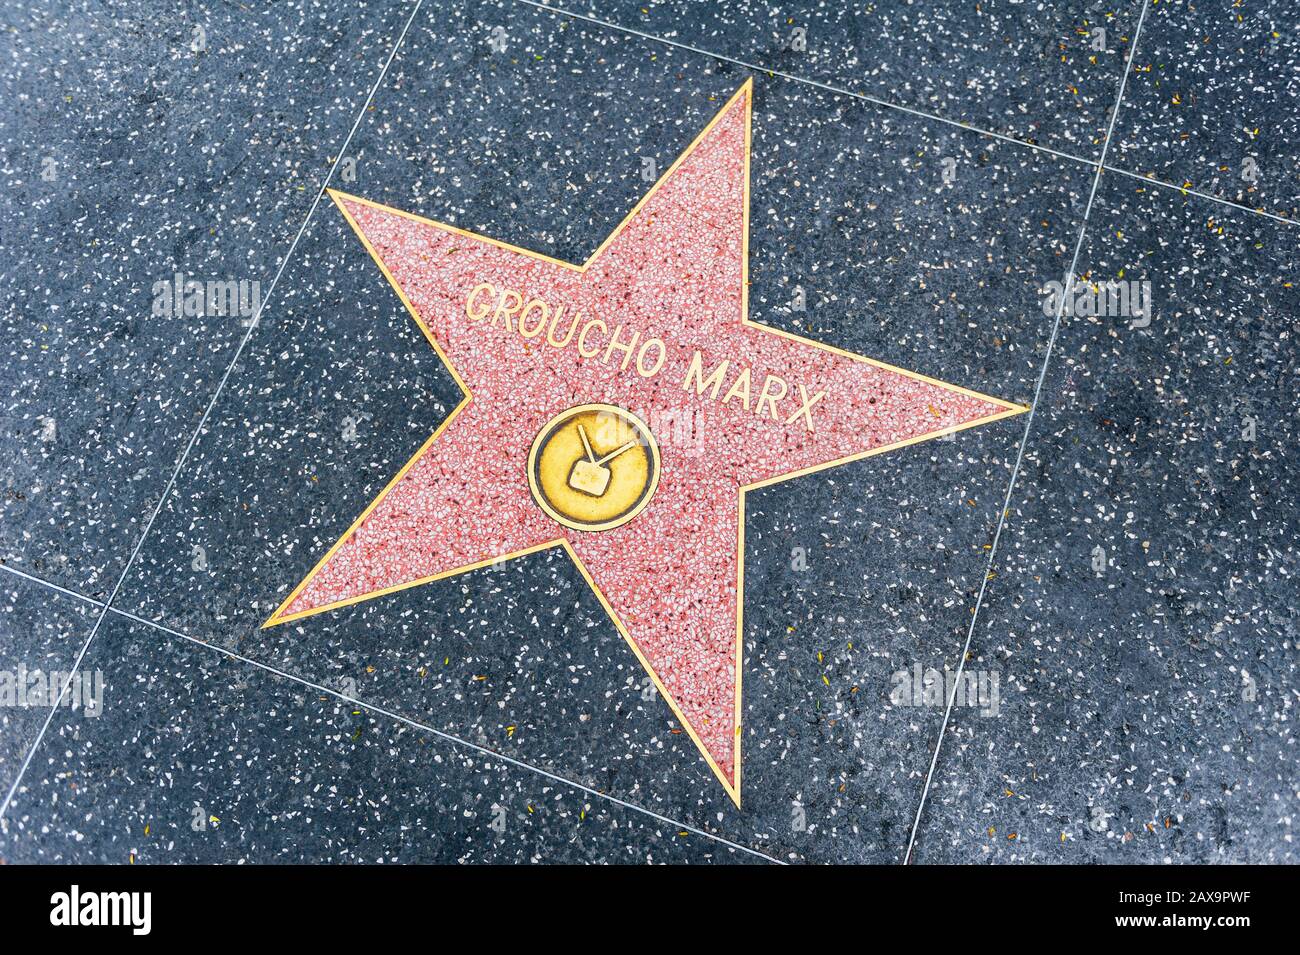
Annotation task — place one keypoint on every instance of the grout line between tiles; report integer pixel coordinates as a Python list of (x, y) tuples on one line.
[(180, 463), (838, 91), (50, 584), (447, 737), (1152, 180), (1024, 440), (932, 117)]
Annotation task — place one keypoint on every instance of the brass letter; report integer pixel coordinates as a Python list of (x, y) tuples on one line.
[(772, 399), (504, 313), (696, 371), (806, 410), (659, 362), (469, 302), (740, 389), (535, 303), (625, 349), (582, 338)]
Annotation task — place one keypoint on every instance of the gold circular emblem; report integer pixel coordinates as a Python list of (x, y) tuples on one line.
[(593, 467)]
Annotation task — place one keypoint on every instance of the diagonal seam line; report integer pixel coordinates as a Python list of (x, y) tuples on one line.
[(51, 584), (1024, 440), (888, 104), (455, 740), (838, 91), (447, 737), (180, 463), (1142, 177)]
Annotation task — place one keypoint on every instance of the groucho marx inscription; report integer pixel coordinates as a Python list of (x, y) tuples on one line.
[(621, 346)]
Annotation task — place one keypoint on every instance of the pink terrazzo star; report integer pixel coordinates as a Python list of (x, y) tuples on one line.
[(673, 272)]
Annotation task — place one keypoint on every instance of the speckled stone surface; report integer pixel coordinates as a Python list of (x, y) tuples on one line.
[(1213, 103), (1148, 690), (851, 574), (1032, 71), (41, 634), (161, 159), (201, 759), (1147, 713)]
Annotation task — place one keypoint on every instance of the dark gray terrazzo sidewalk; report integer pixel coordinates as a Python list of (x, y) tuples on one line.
[(920, 171)]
